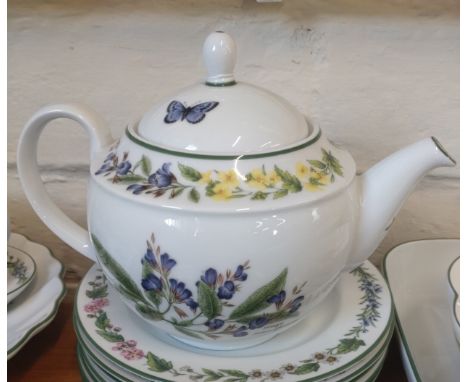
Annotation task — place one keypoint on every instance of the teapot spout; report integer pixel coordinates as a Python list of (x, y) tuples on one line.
[(385, 187)]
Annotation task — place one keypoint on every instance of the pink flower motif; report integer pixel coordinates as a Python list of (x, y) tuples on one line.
[(132, 353), (119, 346), (96, 305), (129, 350)]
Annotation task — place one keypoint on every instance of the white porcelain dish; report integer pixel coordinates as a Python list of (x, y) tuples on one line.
[(338, 339), (34, 309), (417, 276), (21, 269)]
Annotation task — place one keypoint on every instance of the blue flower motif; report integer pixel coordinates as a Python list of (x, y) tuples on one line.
[(123, 168), (150, 258), (258, 322), (181, 294), (226, 291), (210, 277), (214, 324), (296, 304), (137, 188), (370, 287), (366, 285), (240, 275), (151, 283), (162, 177), (105, 168), (167, 263), (277, 299), (372, 304), (110, 157), (192, 304), (179, 291), (240, 332)]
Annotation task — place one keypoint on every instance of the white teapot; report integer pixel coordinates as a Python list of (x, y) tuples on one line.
[(223, 217)]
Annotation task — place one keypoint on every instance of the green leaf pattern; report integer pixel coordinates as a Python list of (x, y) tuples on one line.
[(209, 303), (258, 300)]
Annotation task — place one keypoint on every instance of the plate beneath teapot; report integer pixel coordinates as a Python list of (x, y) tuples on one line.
[(346, 331)]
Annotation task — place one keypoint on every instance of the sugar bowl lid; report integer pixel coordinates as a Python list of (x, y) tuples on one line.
[(221, 115)]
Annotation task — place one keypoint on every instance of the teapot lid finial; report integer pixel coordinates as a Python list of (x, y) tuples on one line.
[(219, 54)]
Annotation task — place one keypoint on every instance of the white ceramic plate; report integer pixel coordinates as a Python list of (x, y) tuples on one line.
[(417, 275), (325, 345), (21, 270), (109, 370), (34, 309)]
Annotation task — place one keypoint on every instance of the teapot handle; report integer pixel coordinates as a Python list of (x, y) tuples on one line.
[(65, 228)]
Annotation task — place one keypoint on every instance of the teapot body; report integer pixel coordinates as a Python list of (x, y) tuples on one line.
[(225, 251), (202, 248)]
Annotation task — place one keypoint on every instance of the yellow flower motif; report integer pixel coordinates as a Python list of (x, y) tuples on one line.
[(257, 179), (317, 177), (321, 177), (206, 177), (302, 171), (229, 178), (221, 192), (273, 178)]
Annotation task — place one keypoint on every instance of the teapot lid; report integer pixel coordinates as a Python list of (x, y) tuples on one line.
[(221, 115)]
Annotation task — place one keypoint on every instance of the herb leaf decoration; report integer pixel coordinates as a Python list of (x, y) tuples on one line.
[(258, 300)]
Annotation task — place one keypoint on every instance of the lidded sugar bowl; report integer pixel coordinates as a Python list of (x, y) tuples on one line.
[(223, 216)]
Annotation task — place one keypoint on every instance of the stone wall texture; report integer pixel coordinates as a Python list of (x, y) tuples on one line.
[(374, 75)]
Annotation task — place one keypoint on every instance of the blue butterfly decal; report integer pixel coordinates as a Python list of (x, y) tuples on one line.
[(193, 114)]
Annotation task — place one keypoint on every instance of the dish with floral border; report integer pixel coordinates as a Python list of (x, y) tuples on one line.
[(34, 309), (21, 269), (348, 326)]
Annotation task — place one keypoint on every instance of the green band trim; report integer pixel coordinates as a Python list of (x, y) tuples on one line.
[(454, 303), (220, 84), (443, 151), (184, 154)]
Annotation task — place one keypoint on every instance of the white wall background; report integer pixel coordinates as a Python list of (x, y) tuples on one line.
[(375, 75)]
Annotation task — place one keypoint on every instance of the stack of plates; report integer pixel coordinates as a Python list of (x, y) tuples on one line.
[(35, 289), (418, 275), (345, 339)]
